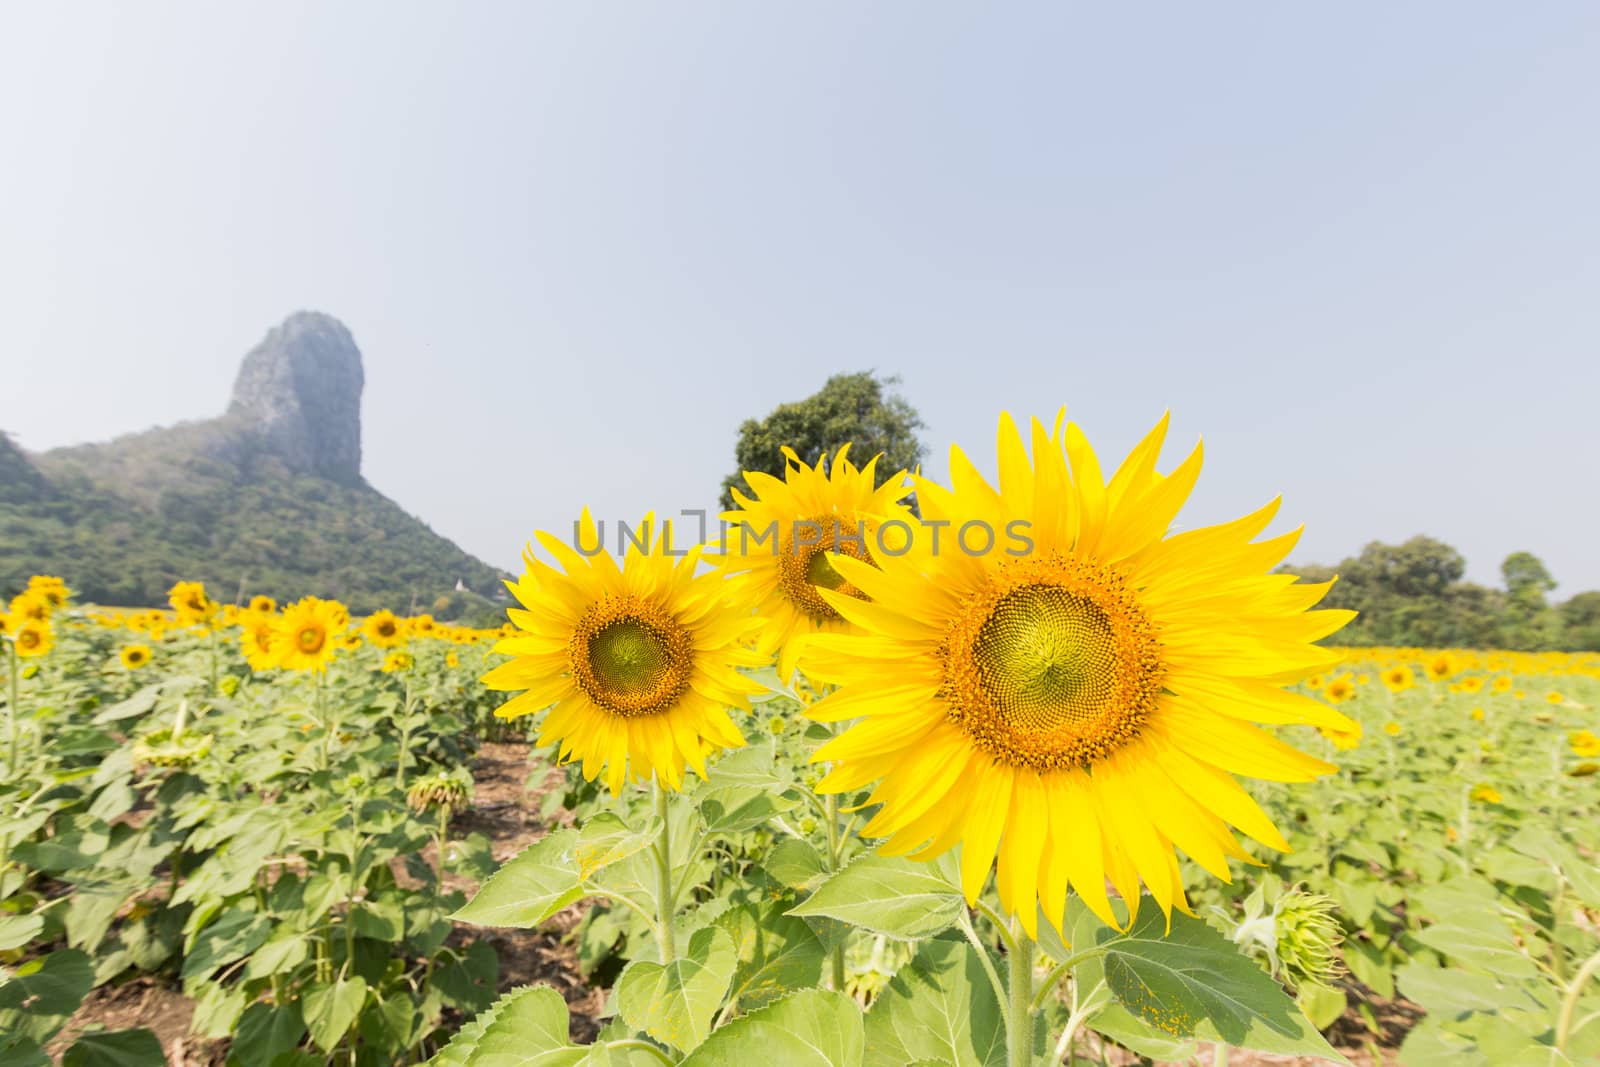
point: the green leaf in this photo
(890, 895)
(42, 994)
(777, 953)
(330, 1010)
(1193, 982)
(529, 888)
(18, 930)
(116, 1048)
(1127, 1029)
(230, 938)
(266, 1031)
(676, 1003)
(1480, 941)
(19, 1051)
(528, 1028)
(815, 1028)
(939, 1008)
(754, 765)
(731, 809)
(605, 839)
(1323, 1005)
(794, 863)
(469, 983)
(1450, 992)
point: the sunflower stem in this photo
(664, 894)
(832, 821)
(11, 716)
(971, 932)
(1569, 1003)
(1019, 1018)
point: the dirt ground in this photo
(506, 810)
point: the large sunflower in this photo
(257, 632)
(1079, 708)
(636, 663)
(780, 539)
(306, 635)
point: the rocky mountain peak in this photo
(301, 389)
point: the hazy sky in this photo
(1357, 247)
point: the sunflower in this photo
(189, 600)
(255, 641)
(306, 635)
(780, 539)
(396, 661)
(1584, 743)
(263, 605)
(1440, 667)
(384, 629)
(1399, 679)
(29, 605)
(53, 590)
(1339, 690)
(31, 637)
(1486, 794)
(1472, 684)
(134, 656)
(1502, 684)
(637, 662)
(1078, 709)
(1343, 740)
(421, 625)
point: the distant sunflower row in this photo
(304, 636)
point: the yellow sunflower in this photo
(255, 641)
(134, 656)
(779, 541)
(396, 661)
(636, 663)
(420, 625)
(31, 637)
(384, 629)
(306, 635)
(1339, 690)
(1440, 667)
(189, 600)
(51, 588)
(1399, 679)
(29, 605)
(263, 605)
(1077, 709)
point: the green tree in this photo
(1528, 622)
(1580, 623)
(855, 409)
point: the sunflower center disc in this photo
(803, 568)
(1047, 658)
(630, 657)
(310, 640)
(1054, 665)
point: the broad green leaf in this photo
(468, 983)
(732, 809)
(1450, 992)
(890, 895)
(794, 863)
(19, 1051)
(529, 1029)
(1480, 941)
(605, 839)
(939, 1008)
(42, 994)
(754, 765)
(530, 887)
(330, 1010)
(230, 938)
(676, 1003)
(266, 1031)
(777, 954)
(815, 1028)
(1323, 1005)
(1193, 982)
(1125, 1028)
(115, 1048)
(18, 930)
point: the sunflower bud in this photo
(160, 749)
(1308, 937)
(438, 790)
(229, 685)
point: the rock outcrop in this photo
(301, 387)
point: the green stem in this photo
(965, 919)
(1060, 970)
(327, 727)
(11, 715)
(663, 851)
(1569, 1003)
(212, 627)
(642, 1046)
(1019, 1017)
(405, 738)
(1219, 1055)
(444, 840)
(831, 804)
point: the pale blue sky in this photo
(1356, 246)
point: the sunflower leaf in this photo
(530, 887)
(1193, 982)
(815, 1028)
(889, 895)
(941, 1009)
(676, 1003)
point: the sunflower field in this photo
(1028, 774)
